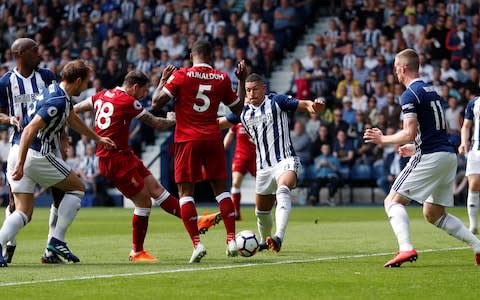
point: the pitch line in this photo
(195, 269)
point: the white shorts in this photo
(473, 163)
(266, 179)
(46, 170)
(428, 178)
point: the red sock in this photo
(228, 215)
(188, 212)
(171, 206)
(139, 231)
(236, 203)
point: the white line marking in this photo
(184, 270)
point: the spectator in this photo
(308, 59)
(370, 60)
(325, 171)
(391, 112)
(371, 33)
(360, 72)
(463, 73)
(301, 143)
(459, 43)
(447, 71)
(338, 123)
(344, 151)
(348, 83)
(359, 100)
(348, 113)
(425, 70)
(453, 116)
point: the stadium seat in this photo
(362, 175)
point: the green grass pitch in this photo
(328, 253)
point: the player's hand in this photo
(167, 72)
(463, 148)
(241, 70)
(373, 135)
(318, 105)
(15, 121)
(406, 150)
(17, 173)
(107, 143)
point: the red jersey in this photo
(244, 147)
(114, 111)
(198, 91)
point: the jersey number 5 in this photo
(103, 112)
(201, 96)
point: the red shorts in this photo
(242, 165)
(126, 171)
(191, 157)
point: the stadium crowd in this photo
(350, 64)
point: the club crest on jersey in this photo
(137, 105)
(52, 111)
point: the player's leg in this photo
(473, 201)
(16, 220)
(171, 204)
(188, 169)
(11, 245)
(143, 207)
(67, 211)
(57, 195)
(237, 178)
(395, 207)
(285, 183)
(263, 212)
(227, 211)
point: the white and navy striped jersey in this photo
(16, 91)
(268, 126)
(422, 102)
(53, 105)
(472, 113)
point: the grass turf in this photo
(328, 253)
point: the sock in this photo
(236, 196)
(188, 211)
(12, 241)
(473, 200)
(67, 210)
(398, 217)
(284, 207)
(169, 203)
(12, 225)
(454, 227)
(139, 227)
(52, 223)
(228, 214)
(264, 224)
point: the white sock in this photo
(12, 241)
(67, 210)
(162, 197)
(473, 200)
(454, 227)
(264, 224)
(16, 221)
(398, 217)
(282, 212)
(52, 223)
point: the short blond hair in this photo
(409, 58)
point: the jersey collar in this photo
(203, 65)
(20, 75)
(62, 86)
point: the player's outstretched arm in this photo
(156, 122)
(83, 106)
(28, 135)
(314, 107)
(160, 98)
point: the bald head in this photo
(21, 45)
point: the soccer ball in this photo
(247, 243)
